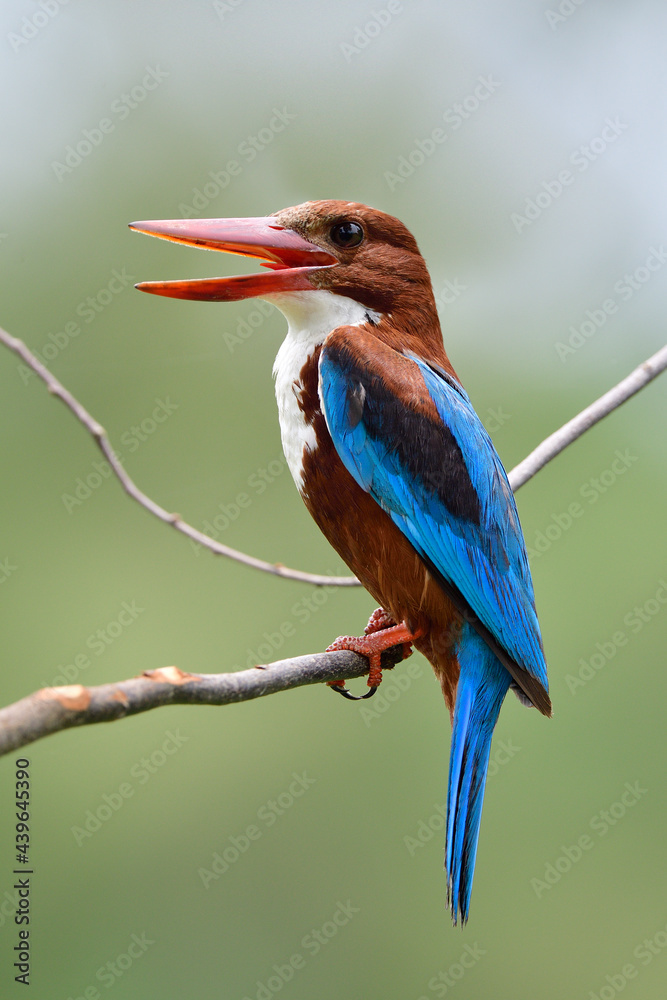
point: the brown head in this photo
(345, 248)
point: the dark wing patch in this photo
(423, 444)
(418, 448)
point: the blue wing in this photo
(408, 434)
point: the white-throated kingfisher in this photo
(395, 467)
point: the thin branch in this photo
(573, 429)
(175, 520)
(54, 709)
(519, 475)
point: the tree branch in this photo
(519, 475)
(54, 709)
(573, 429)
(51, 710)
(99, 435)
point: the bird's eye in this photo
(347, 234)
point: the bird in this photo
(395, 467)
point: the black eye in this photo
(347, 234)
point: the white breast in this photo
(311, 317)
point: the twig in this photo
(175, 520)
(54, 709)
(519, 475)
(573, 429)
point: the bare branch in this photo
(573, 429)
(54, 709)
(175, 520)
(519, 475)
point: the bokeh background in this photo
(329, 101)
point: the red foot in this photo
(374, 644)
(378, 620)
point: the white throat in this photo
(311, 316)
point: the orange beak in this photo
(291, 258)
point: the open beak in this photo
(290, 257)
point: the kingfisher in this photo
(395, 467)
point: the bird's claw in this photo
(372, 645)
(339, 686)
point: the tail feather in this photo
(483, 684)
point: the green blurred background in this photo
(359, 86)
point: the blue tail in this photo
(483, 684)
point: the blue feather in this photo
(482, 687)
(486, 561)
(445, 488)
